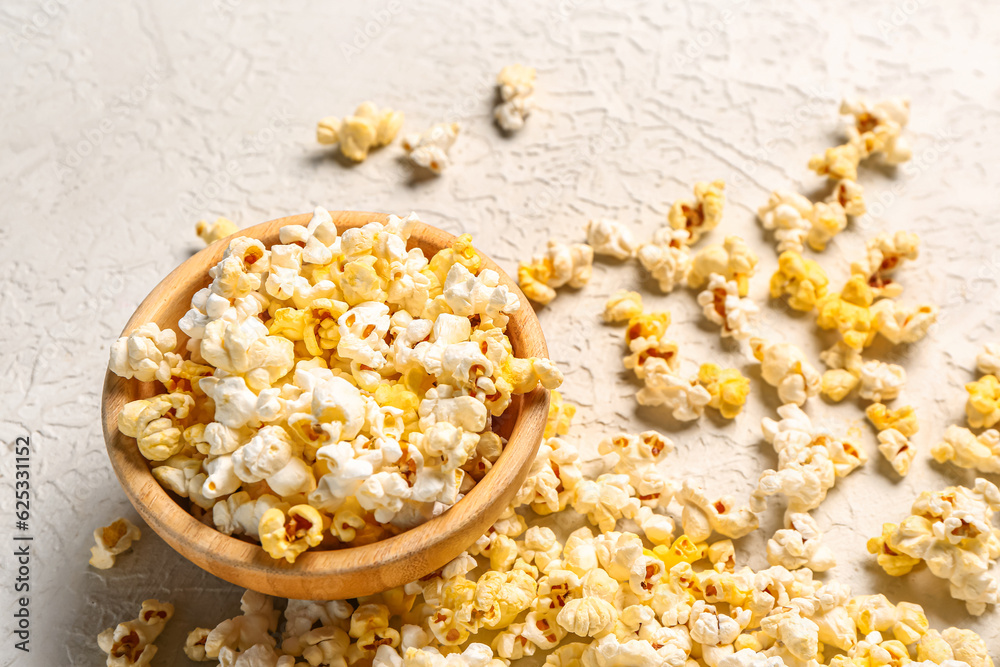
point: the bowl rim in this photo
(330, 574)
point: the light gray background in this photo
(124, 123)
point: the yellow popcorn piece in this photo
(911, 623)
(903, 419)
(369, 127)
(828, 220)
(647, 325)
(838, 163)
(802, 280)
(849, 313)
(561, 264)
(560, 415)
(210, 232)
(516, 84)
(733, 260)
(701, 215)
(965, 449)
(111, 541)
(683, 550)
(728, 387)
(982, 410)
(623, 306)
(288, 537)
(894, 563)
(837, 383)
(157, 424)
(461, 251)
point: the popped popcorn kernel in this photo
(850, 196)
(897, 450)
(701, 215)
(611, 239)
(429, 149)
(622, 306)
(877, 128)
(849, 312)
(727, 387)
(837, 383)
(902, 419)
(210, 232)
(733, 260)
(880, 381)
(802, 280)
(837, 163)
(369, 127)
(965, 449)
(982, 409)
(885, 254)
(287, 537)
(143, 354)
(560, 265)
(828, 220)
(988, 361)
(785, 367)
(667, 257)
(516, 84)
(130, 644)
(789, 215)
(722, 304)
(560, 415)
(895, 563)
(112, 540)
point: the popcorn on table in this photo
(429, 149)
(965, 449)
(727, 387)
(516, 84)
(354, 377)
(884, 254)
(130, 644)
(785, 367)
(111, 541)
(733, 260)
(622, 306)
(800, 279)
(789, 215)
(895, 427)
(988, 361)
(369, 127)
(952, 532)
(210, 232)
(561, 264)
(611, 238)
(667, 257)
(701, 215)
(982, 409)
(722, 304)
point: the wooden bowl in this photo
(344, 573)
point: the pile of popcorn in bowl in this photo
(338, 389)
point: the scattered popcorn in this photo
(560, 265)
(430, 148)
(684, 398)
(838, 163)
(849, 312)
(789, 215)
(901, 324)
(352, 377)
(112, 540)
(897, 450)
(885, 253)
(622, 307)
(983, 406)
(667, 257)
(828, 220)
(210, 232)
(988, 361)
(952, 531)
(722, 304)
(850, 196)
(879, 381)
(702, 516)
(878, 128)
(894, 429)
(965, 449)
(130, 644)
(733, 260)
(701, 215)
(844, 374)
(799, 544)
(902, 419)
(517, 87)
(727, 387)
(369, 127)
(785, 367)
(802, 280)
(194, 645)
(610, 238)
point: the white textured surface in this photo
(123, 123)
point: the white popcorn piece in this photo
(611, 239)
(897, 450)
(561, 264)
(878, 128)
(800, 544)
(733, 260)
(111, 541)
(722, 304)
(988, 361)
(667, 257)
(884, 255)
(516, 84)
(901, 324)
(965, 449)
(785, 367)
(683, 397)
(194, 645)
(703, 516)
(789, 215)
(141, 354)
(880, 381)
(622, 306)
(429, 149)
(369, 127)
(251, 628)
(130, 644)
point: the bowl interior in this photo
(334, 574)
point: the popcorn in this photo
(721, 303)
(850, 196)
(982, 410)
(287, 538)
(210, 232)
(902, 419)
(880, 381)
(988, 361)
(799, 544)
(838, 163)
(789, 215)
(701, 215)
(849, 313)
(828, 220)
(622, 307)
(610, 238)
(885, 253)
(901, 324)
(130, 644)
(877, 128)
(112, 540)
(785, 367)
(965, 449)
(517, 87)
(560, 415)
(194, 645)
(429, 149)
(802, 280)
(733, 260)
(369, 127)
(142, 354)
(952, 531)
(727, 387)
(685, 398)
(560, 265)
(702, 516)
(897, 450)
(251, 628)
(667, 257)
(157, 424)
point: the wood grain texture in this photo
(323, 575)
